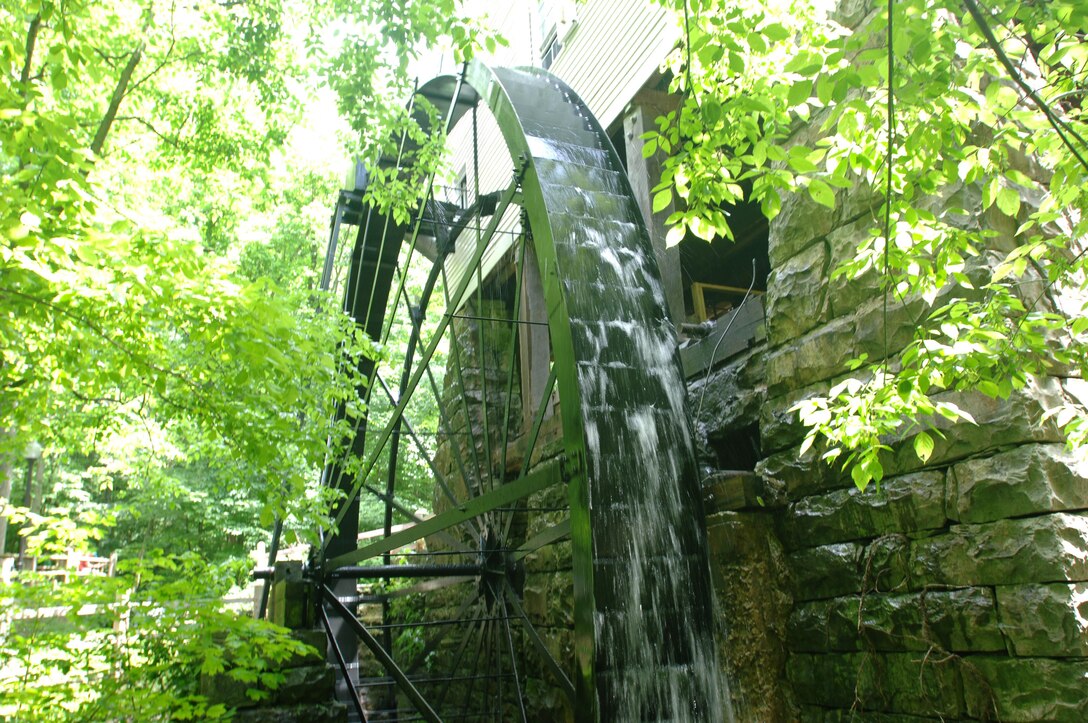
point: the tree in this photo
(912, 101)
(161, 357)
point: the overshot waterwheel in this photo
(536, 384)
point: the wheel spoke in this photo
(450, 539)
(428, 193)
(546, 537)
(443, 322)
(541, 647)
(358, 704)
(438, 476)
(535, 481)
(530, 446)
(457, 355)
(383, 657)
(441, 635)
(511, 361)
(481, 361)
(476, 627)
(510, 646)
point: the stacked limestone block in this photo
(956, 589)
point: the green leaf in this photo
(800, 92)
(662, 199)
(1008, 202)
(860, 476)
(674, 236)
(923, 446)
(800, 159)
(821, 193)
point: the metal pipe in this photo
(342, 663)
(383, 657)
(384, 572)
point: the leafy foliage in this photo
(131, 647)
(161, 332)
(981, 188)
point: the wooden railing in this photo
(64, 567)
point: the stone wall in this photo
(957, 590)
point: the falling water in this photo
(655, 652)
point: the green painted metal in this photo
(425, 359)
(563, 158)
(539, 479)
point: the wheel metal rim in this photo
(552, 164)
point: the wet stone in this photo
(1027, 480)
(999, 424)
(814, 357)
(1049, 620)
(826, 571)
(901, 322)
(796, 295)
(850, 567)
(779, 426)
(902, 504)
(962, 620)
(846, 295)
(801, 477)
(732, 397)
(815, 714)
(1028, 689)
(737, 490)
(1037, 549)
(905, 683)
(800, 222)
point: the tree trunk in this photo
(5, 492)
(31, 40)
(119, 91)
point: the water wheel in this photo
(537, 386)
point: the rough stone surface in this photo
(909, 683)
(952, 620)
(750, 581)
(779, 426)
(818, 355)
(799, 223)
(900, 321)
(1028, 689)
(1045, 619)
(739, 490)
(1037, 549)
(813, 714)
(846, 295)
(797, 295)
(999, 424)
(731, 398)
(827, 571)
(1026, 480)
(801, 477)
(844, 568)
(902, 504)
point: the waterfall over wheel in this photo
(530, 379)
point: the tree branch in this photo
(31, 40)
(115, 101)
(1059, 126)
(147, 124)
